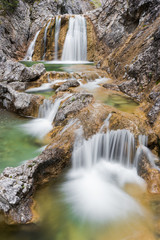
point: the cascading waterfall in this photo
(42, 125)
(57, 31)
(30, 51)
(101, 167)
(143, 150)
(75, 46)
(45, 39)
(114, 146)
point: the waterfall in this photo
(42, 125)
(57, 30)
(101, 167)
(143, 150)
(75, 46)
(48, 109)
(45, 39)
(113, 146)
(30, 50)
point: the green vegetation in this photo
(96, 3)
(8, 5)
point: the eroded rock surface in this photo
(68, 84)
(16, 72)
(73, 104)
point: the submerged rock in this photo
(13, 71)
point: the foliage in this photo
(95, 3)
(8, 5)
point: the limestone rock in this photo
(68, 84)
(155, 109)
(14, 31)
(72, 105)
(19, 102)
(128, 33)
(150, 174)
(16, 72)
(111, 86)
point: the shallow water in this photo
(58, 222)
(57, 66)
(15, 145)
(117, 100)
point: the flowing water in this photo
(45, 39)
(31, 48)
(42, 125)
(57, 30)
(100, 197)
(75, 45)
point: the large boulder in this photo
(73, 105)
(19, 102)
(14, 71)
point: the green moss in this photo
(73, 99)
(158, 81)
(95, 3)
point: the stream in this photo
(100, 196)
(79, 211)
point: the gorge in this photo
(80, 93)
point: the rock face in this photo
(155, 109)
(130, 31)
(128, 47)
(14, 31)
(16, 72)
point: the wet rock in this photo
(13, 71)
(72, 105)
(17, 184)
(150, 174)
(154, 97)
(131, 88)
(68, 84)
(111, 86)
(19, 102)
